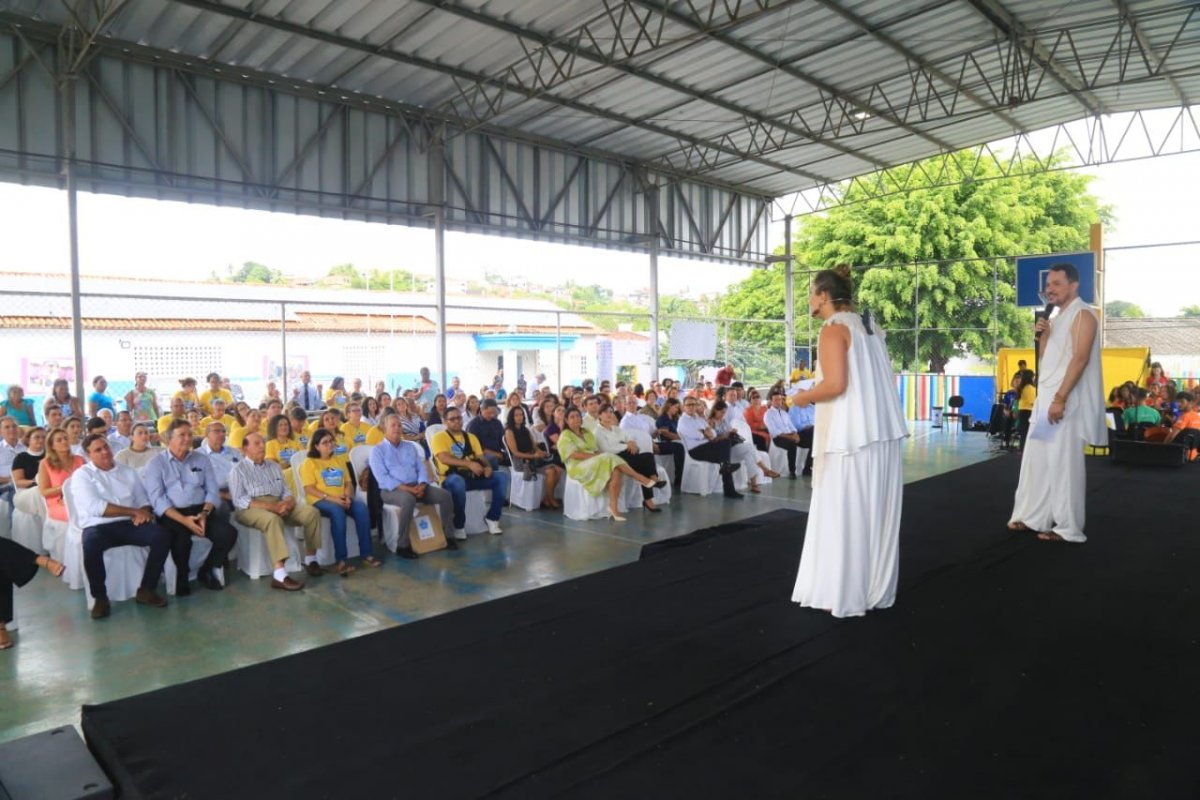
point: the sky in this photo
(1155, 202)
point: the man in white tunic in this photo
(1068, 414)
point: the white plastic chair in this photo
(201, 547)
(26, 524)
(53, 531)
(253, 557)
(779, 459)
(700, 477)
(522, 493)
(631, 492)
(579, 505)
(325, 553)
(123, 566)
(391, 514)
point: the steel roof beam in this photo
(476, 90)
(914, 58)
(1022, 40)
(835, 100)
(1154, 62)
(573, 46)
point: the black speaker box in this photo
(52, 765)
(1148, 454)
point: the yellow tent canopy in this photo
(1120, 364)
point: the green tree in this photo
(1190, 311)
(1123, 309)
(963, 228)
(253, 272)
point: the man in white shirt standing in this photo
(114, 510)
(783, 432)
(118, 440)
(698, 438)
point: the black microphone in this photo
(1044, 315)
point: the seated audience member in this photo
(223, 458)
(740, 451)
(95, 425)
(1187, 423)
(60, 396)
(329, 487)
(215, 389)
(702, 444)
(98, 400)
(1141, 412)
(281, 444)
(544, 413)
(219, 414)
(121, 438)
(735, 400)
(272, 393)
(455, 388)
(412, 425)
(667, 425)
(253, 424)
(74, 428)
(25, 464)
(591, 412)
(610, 438)
(784, 433)
(370, 411)
(18, 565)
(273, 409)
(804, 420)
(464, 468)
(16, 406)
(400, 473)
(262, 501)
(632, 420)
(183, 491)
(440, 404)
(594, 470)
(58, 465)
(10, 447)
(470, 410)
(489, 430)
(755, 416)
(299, 425)
(336, 395)
(354, 430)
(139, 452)
(515, 400)
(178, 411)
(187, 394)
(1157, 376)
(529, 457)
(558, 421)
(114, 510)
(54, 417)
(651, 406)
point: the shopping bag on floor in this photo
(425, 533)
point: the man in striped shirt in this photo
(263, 501)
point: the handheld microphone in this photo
(1044, 315)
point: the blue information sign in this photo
(1032, 271)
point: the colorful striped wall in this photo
(921, 391)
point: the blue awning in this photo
(521, 341)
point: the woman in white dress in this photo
(851, 545)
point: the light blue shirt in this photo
(803, 417)
(178, 483)
(396, 464)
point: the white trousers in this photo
(1050, 493)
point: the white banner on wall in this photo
(693, 341)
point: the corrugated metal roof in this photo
(706, 72)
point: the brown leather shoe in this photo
(148, 597)
(287, 584)
(314, 569)
(101, 609)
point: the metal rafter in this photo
(476, 91)
(1027, 50)
(550, 70)
(841, 109)
(1092, 141)
(1152, 60)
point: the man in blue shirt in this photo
(184, 493)
(400, 473)
(488, 429)
(804, 419)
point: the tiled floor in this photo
(63, 660)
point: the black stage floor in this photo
(1008, 668)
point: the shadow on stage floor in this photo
(1009, 667)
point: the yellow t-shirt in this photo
(1027, 399)
(312, 426)
(336, 398)
(164, 422)
(374, 436)
(329, 475)
(282, 454)
(237, 434)
(190, 400)
(443, 442)
(225, 420)
(206, 398)
(353, 435)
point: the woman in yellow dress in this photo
(593, 469)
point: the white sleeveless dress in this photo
(850, 561)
